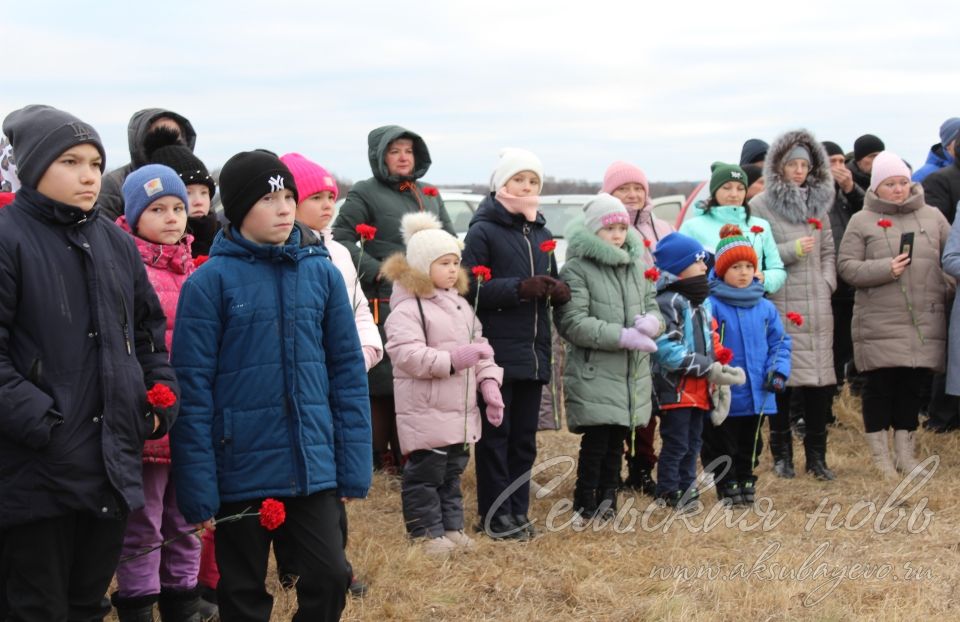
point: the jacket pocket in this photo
(589, 368)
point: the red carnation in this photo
(430, 191)
(652, 274)
(815, 223)
(366, 232)
(199, 260)
(482, 273)
(548, 246)
(756, 229)
(724, 355)
(647, 243)
(795, 317)
(884, 223)
(160, 396)
(272, 514)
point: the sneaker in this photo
(461, 539)
(358, 589)
(438, 547)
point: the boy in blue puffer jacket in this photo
(275, 397)
(750, 327)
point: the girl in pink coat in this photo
(155, 214)
(440, 361)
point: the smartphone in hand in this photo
(906, 244)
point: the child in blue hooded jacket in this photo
(749, 325)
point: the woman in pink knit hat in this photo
(629, 184)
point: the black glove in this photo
(777, 383)
(560, 294)
(535, 287)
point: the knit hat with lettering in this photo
(147, 184)
(311, 178)
(721, 173)
(39, 134)
(249, 175)
(733, 247)
(604, 210)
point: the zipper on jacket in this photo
(125, 325)
(536, 304)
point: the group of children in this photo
(272, 338)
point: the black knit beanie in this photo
(249, 175)
(164, 146)
(865, 145)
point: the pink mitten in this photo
(647, 324)
(633, 339)
(494, 401)
(469, 355)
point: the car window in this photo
(460, 213)
(559, 215)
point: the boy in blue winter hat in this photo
(274, 396)
(684, 366)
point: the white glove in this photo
(721, 397)
(725, 374)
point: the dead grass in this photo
(606, 575)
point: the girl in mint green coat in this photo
(728, 191)
(609, 324)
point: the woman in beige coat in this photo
(899, 313)
(798, 193)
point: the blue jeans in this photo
(681, 431)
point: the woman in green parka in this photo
(398, 159)
(610, 324)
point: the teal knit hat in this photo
(721, 173)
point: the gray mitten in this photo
(721, 396)
(725, 374)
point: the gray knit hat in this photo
(39, 134)
(604, 210)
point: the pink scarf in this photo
(519, 205)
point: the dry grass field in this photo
(861, 557)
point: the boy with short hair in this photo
(81, 339)
(274, 395)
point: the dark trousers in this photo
(681, 431)
(892, 397)
(506, 454)
(842, 336)
(383, 421)
(431, 495)
(59, 569)
(734, 439)
(314, 528)
(644, 452)
(601, 456)
(817, 404)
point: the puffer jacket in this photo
(434, 407)
(750, 326)
(811, 278)
(518, 330)
(110, 200)
(937, 159)
(81, 333)
(705, 228)
(884, 334)
(603, 383)
(685, 350)
(382, 201)
(369, 334)
(168, 266)
(942, 190)
(274, 390)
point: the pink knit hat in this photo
(887, 164)
(309, 176)
(620, 173)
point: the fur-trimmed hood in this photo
(409, 282)
(796, 204)
(583, 243)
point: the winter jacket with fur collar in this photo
(883, 331)
(435, 407)
(603, 383)
(811, 277)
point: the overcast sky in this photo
(670, 85)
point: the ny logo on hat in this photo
(276, 183)
(81, 131)
(735, 174)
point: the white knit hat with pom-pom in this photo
(426, 240)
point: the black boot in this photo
(729, 494)
(639, 476)
(607, 503)
(815, 448)
(180, 605)
(584, 502)
(748, 490)
(136, 609)
(781, 446)
(502, 527)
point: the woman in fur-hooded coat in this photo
(798, 194)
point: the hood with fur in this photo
(408, 281)
(796, 204)
(583, 243)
